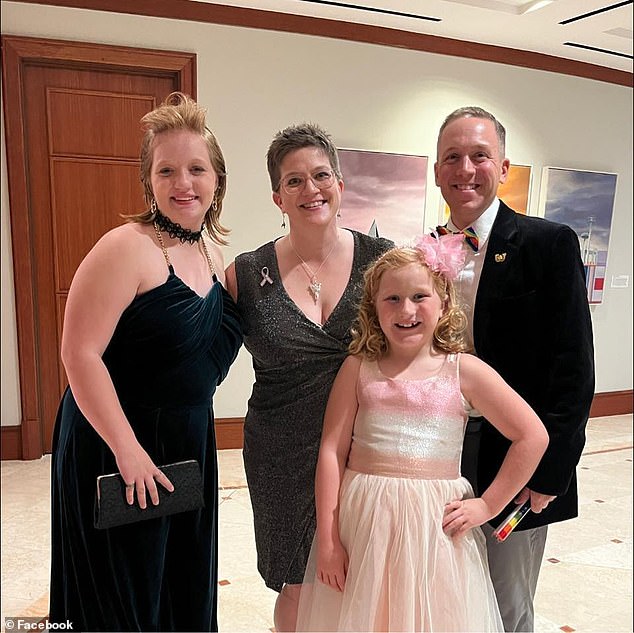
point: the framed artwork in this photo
(584, 200)
(515, 191)
(384, 194)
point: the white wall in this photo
(369, 97)
(10, 398)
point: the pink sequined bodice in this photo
(409, 428)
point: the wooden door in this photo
(72, 114)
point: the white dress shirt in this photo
(469, 277)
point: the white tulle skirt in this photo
(405, 573)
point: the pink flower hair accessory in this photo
(443, 253)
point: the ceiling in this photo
(596, 32)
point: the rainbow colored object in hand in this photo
(511, 521)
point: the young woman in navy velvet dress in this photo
(149, 332)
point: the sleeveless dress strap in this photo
(162, 245)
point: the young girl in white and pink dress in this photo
(398, 547)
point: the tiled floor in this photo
(585, 583)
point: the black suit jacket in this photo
(532, 324)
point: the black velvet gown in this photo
(170, 350)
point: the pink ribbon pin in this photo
(265, 276)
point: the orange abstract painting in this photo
(515, 190)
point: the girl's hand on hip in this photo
(461, 515)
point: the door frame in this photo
(25, 440)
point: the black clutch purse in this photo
(112, 509)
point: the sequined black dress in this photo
(168, 353)
(295, 362)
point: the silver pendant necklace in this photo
(314, 286)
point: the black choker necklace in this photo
(173, 229)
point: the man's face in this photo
(469, 167)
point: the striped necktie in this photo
(470, 236)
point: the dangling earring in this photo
(214, 205)
(283, 225)
(339, 213)
(153, 207)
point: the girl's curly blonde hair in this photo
(368, 338)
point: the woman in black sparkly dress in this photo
(297, 296)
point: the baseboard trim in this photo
(229, 434)
(230, 431)
(11, 442)
(611, 403)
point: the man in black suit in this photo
(523, 287)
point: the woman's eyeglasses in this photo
(321, 179)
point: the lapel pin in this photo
(266, 279)
(500, 257)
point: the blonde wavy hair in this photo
(368, 338)
(181, 112)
